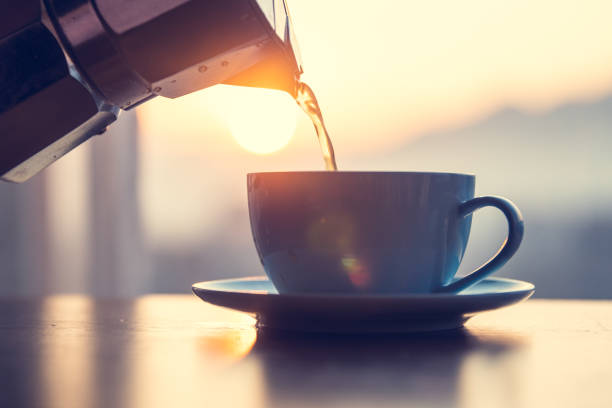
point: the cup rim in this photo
(367, 172)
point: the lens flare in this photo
(357, 271)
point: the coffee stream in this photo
(308, 102)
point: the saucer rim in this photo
(523, 287)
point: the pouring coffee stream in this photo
(307, 100)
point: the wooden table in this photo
(176, 351)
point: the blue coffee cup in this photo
(370, 232)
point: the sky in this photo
(385, 73)
(409, 67)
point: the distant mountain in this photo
(566, 122)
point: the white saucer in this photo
(361, 313)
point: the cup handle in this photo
(508, 248)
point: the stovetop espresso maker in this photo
(67, 67)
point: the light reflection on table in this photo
(178, 351)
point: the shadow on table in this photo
(442, 369)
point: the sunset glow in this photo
(397, 70)
(261, 121)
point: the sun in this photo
(261, 121)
